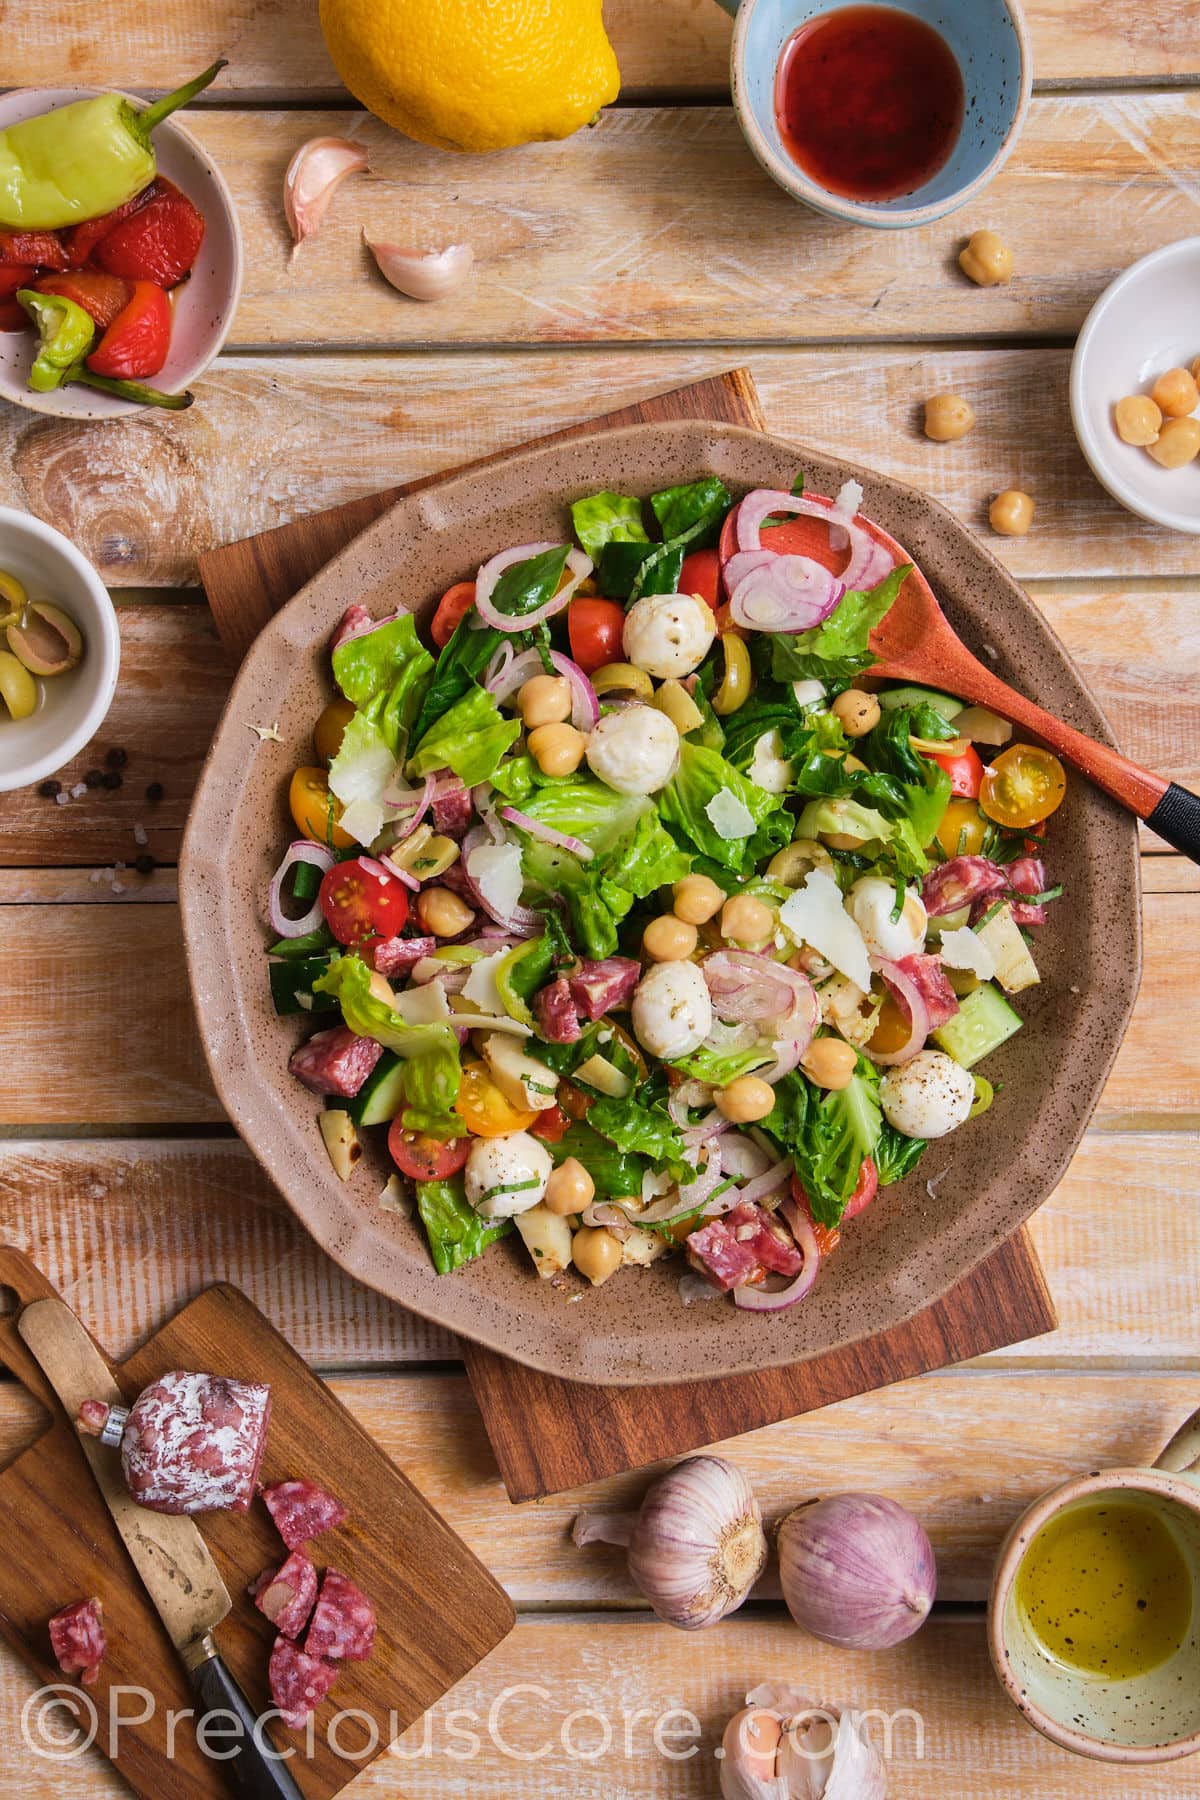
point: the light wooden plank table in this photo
(632, 258)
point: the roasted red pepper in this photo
(101, 296)
(81, 240)
(32, 250)
(137, 341)
(158, 243)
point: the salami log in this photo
(302, 1511)
(298, 1682)
(189, 1443)
(286, 1595)
(343, 1625)
(77, 1639)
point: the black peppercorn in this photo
(116, 758)
(94, 778)
(111, 778)
(144, 864)
(155, 792)
(48, 789)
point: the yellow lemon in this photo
(474, 74)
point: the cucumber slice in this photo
(892, 698)
(982, 1023)
(381, 1095)
(292, 986)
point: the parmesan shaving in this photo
(496, 871)
(815, 915)
(728, 816)
(480, 986)
(961, 949)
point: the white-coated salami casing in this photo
(192, 1443)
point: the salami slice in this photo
(190, 1443)
(298, 1682)
(343, 1625)
(302, 1511)
(77, 1639)
(335, 1062)
(354, 620)
(287, 1595)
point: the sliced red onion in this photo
(788, 1052)
(765, 1184)
(614, 1218)
(870, 561)
(411, 804)
(744, 984)
(547, 834)
(524, 922)
(303, 850)
(501, 661)
(485, 586)
(910, 994)
(789, 593)
(402, 875)
(764, 1299)
(585, 707)
(742, 1158)
(743, 563)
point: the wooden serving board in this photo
(549, 1434)
(439, 1611)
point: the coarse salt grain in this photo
(139, 835)
(117, 887)
(61, 798)
(79, 790)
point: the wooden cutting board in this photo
(439, 1611)
(549, 1434)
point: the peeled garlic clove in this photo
(313, 177)
(423, 275)
(45, 639)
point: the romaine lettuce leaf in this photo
(470, 738)
(692, 513)
(368, 667)
(584, 808)
(455, 1231)
(896, 1155)
(643, 1131)
(837, 650)
(600, 893)
(827, 1136)
(460, 665)
(614, 1172)
(608, 518)
(348, 979)
(701, 776)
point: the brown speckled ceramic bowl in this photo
(921, 1236)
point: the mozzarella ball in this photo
(668, 635)
(928, 1096)
(672, 1011)
(871, 903)
(497, 1165)
(634, 750)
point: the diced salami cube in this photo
(77, 1639)
(554, 1010)
(302, 1511)
(452, 807)
(396, 956)
(287, 1595)
(756, 1231)
(343, 1625)
(298, 1682)
(601, 987)
(336, 1061)
(1027, 876)
(716, 1253)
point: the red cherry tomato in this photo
(701, 574)
(359, 903)
(595, 628)
(454, 603)
(550, 1125)
(965, 771)
(828, 1236)
(865, 1190)
(424, 1158)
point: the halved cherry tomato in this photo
(315, 809)
(454, 603)
(828, 1236)
(572, 1100)
(1022, 787)
(595, 628)
(865, 1190)
(961, 830)
(330, 729)
(360, 902)
(550, 1125)
(701, 574)
(893, 1027)
(482, 1107)
(424, 1158)
(965, 771)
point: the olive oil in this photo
(1106, 1590)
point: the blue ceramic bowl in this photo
(988, 37)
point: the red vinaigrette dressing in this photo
(869, 101)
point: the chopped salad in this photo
(640, 916)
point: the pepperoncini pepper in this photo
(66, 334)
(83, 160)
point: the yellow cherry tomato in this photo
(482, 1107)
(331, 728)
(893, 1028)
(315, 809)
(1022, 787)
(961, 830)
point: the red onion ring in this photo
(788, 1052)
(743, 563)
(585, 707)
(762, 1299)
(547, 834)
(765, 1184)
(789, 593)
(745, 984)
(869, 561)
(500, 662)
(402, 875)
(302, 850)
(906, 991)
(418, 798)
(485, 586)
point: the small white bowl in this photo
(204, 305)
(72, 706)
(1148, 320)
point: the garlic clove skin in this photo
(786, 1747)
(423, 275)
(314, 175)
(749, 1750)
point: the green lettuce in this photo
(643, 1131)
(526, 586)
(693, 513)
(828, 1136)
(840, 648)
(367, 668)
(431, 1051)
(700, 777)
(608, 518)
(614, 1172)
(455, 1231)
(460, 666)
(585, 808)
(896, 1155)
(470, 738)
(600, 893)
(720, 1067)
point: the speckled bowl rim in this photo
(792, 179)
(1163, 1485)
(531, 1324)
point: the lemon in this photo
(474, 74)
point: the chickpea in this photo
(746, 1099)
(544, 700)
(947, 417)
(697, 899)
(791, 864)
(1175, 393)
(596, 1253)
(1196, 371)
(986, 260)
(1178, 443)
(557, 749)
(1137, 419)
(570, 1188)
(442, 913)
(1011, 513)
(746, 920)
(856, 712)
(830, 1062)
(669, 939)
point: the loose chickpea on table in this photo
(1011, 513)
(948, 417)
(986, 259)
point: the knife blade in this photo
(166, 1549)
